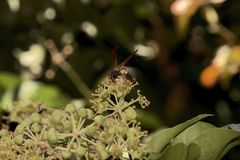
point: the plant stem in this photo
(59, 59)
(75, 78)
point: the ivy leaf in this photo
(194, 152)
(211, 143)
(8, 80)
(163, 137)
(228, 148)
(50, 95)
(192, 132)
(181, 151)
(178, 151)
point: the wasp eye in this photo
(130, 76)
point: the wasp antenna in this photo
(127, 59)
(114, 57)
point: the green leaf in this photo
(194, 152)
(163, 137)
(178, 151)
(228, 148)
(213, 142)
(35, 91)
(7, 98)
(50, 95)
(181, 151)
(192, 132)
(8, 83)
(216, 141)
(8, 80)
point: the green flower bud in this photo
(133, 132)
(109, 122)
(36, 128)
(47, 121)
(90, 130)
(74, 145)
(82, 112)
(90, 113)
(52, 136)
(119, 94)
(19, 139)
(99, 119)
(133, 142)
(80, 151)
(3, 132)
(67, 125)
(106, 137)
(116, 150)
(112, 130)
(45, 135)
(137, 154)
(28, 142)
(120, 129)
(102, 150)
(26, 122)
(130, 113)
(102, 107)
(70, 108)
(35, 117)
(19, 129)
(56, 117)
(66, 154)
(104, 95)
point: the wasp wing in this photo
(127, 59)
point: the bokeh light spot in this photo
(14, 5)
(50, 13)
(145, 51)
(89, 28)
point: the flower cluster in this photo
(108, 129)
(19, 110)
(119, 132)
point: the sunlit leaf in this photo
(8, 79)
(7, 98)
(51, 96)
(192, 132)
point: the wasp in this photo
(121, 69)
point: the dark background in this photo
(176, 74)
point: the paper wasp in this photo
(121, 69)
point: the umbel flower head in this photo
(107, 129)
(119, 131)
